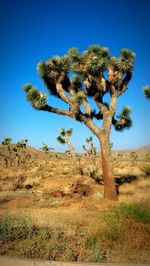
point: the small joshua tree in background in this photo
(91, 152)
(91, 149)
(146, 167)
(118, 158)
(20, 153)
(147, 91)
(47, 150)
(8, 158)
(134, 157)
(64, 138)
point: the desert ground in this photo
(65, 195)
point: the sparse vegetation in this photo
(33, 241)
(59, 192)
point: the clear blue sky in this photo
(31, 31)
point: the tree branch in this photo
(125, 82)
(57, 111)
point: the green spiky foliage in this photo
(36, 98)
(22, 144)
(46, 148)
(61, 140)
(6, 141)
(89, 80)
(76, 83)
(147, 92)
(63, 132)
(62, 137)
(124, 119)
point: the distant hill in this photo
(141, 152)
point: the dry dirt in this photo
(61, 192)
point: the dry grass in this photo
(65, 197)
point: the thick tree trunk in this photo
(110, 191)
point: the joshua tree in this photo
(47, 150)
(147, 92)
(20, 151)
(91, 150)
(97, 73)
(134, 157)
(7, 143)
(64, 138)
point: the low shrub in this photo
(135, 210)
(12, 228)
(146, 169)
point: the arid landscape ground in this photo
(62, 199)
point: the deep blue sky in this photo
(31, 31)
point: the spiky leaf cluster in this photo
(92, 62)
(61, 140)
(53, 68)
(125, 62)
(88, 140)
(6, 141)
(147, 91)
(36, 98)
(22, 144)
(124, 119)
(80, 97)
(42, 69)
(63, 132)
(76, 83)
(46, 149)
(74, 53)
(69, 131)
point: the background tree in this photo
(47, 150)
(20, 151)
(96, 74)
(64, 138)
(133, 157)
(147, 92)
(91, 150)
(8, 158)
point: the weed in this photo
(12, 228)
(95, 248)
(70, 255)
(135, 210)
(146, 169)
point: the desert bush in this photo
(94, 247)
(146, 169)
(12, 228)
(133, 157)
(135, 210)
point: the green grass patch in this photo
(13, 228)
(135, 210)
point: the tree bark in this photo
(71, 149)
(110, 191)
